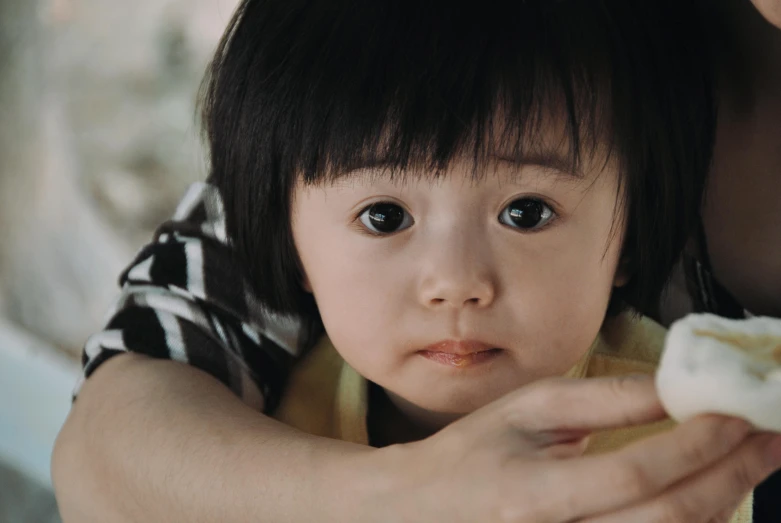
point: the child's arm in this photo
(158, 441)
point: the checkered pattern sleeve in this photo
(185, 298)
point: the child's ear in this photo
(303, 278)
(623, 273)
(305, 283)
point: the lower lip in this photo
(461, 361)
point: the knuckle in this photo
(620, 386)
(633, 478)
(694, 452)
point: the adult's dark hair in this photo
(315, 88)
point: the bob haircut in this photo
(314, 89)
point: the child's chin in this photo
(453, 404)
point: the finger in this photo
(590, 404)
(706, 496)
(641, 471)
(725, 516)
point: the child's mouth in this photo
(461, 360)
(459, 354)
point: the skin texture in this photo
(458, 272)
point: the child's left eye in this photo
(528, 214)
(385, 218)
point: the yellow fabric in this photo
(327, 397)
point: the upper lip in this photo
(459, 347)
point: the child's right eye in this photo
(527, 214)
(385, 218)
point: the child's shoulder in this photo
(628, 343)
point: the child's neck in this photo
(393, 420)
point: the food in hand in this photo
(718, 365)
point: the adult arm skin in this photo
(152, 440)
(157, 440)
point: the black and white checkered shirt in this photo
(184, 298)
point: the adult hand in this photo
(520, 459)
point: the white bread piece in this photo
(717, 365)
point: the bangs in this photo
(406, 86)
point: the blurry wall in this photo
(98, 139)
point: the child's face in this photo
(522, 261)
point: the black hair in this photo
(315, 88)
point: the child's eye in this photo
(385, 218)
(527, 214)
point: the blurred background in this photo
(99, 138)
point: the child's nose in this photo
(478, 294)
(458, 281)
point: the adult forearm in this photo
(155, 440)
